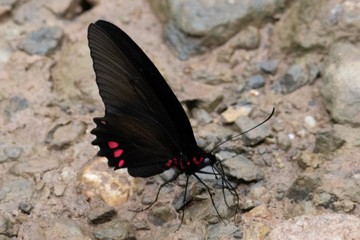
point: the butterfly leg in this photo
(174, 177)
(184, 202)
(212, 200)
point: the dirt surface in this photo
(52, 185)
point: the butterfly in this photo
(144, 129)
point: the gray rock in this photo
(161, 215)
(201, 115)
(340, 176)
(65, 8)
(43, 41)
(63, 135)
(6, 6)
(193, 190)
(327, 22)
(44, 228)
(242, 168)
(25, 207)
(296, 77)
(303, 186)
(115, 230)
(256, 135)
(13, 153)
(101, 214)
(269, 66)
(16, 104)
(5, 226)
(341, 85)
(248, 38)
(13, 191)
(256, 81)
(319, 227)
(32, 167)
(193, 26)
(327, 141)
(283, 141)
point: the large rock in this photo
(310, 25)
(193, 25)
(341, 86)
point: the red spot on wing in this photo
(118, 152)
(103, 122)
(169, 163)
(121, 163)
(198, 161)
(113, 144)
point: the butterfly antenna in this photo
(233, 137)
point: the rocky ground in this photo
(230, 63)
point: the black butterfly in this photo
(145, 129)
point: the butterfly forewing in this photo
(144, 124)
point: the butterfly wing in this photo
(144, 123)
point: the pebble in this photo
(318, 227)
(13, 153)
(256, 81)
(59, 189)
(116, 229)
(43, 41)
(25, 207)
(296, 77)
(327, 141)
(161, 215)
(310, 122)
(201, 115)
(256, 135)
(269, 66)
(232, 113)
(242, 168)
(101, 214)
(283, 141)
(63, 135)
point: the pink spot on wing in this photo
(103, 122)
(121, 163)
(113, 144)
(118, 152)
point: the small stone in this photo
(256, 230)
(42, 42)
(13, 153)
(242, 168)
(232, 113)
(201, 115)
(326, 141)
(296, 77)
(193, 191)
(312, 160)
(283, 141)
(318, 227)
(269, 66)
(257, 196)
(323, 199)
(247, 39)
(256, 135)
(25, 207)
(59, 189)
(116, 229)
(33, 166)
(344, 205)
(114, 188)
(303, 187)
(160, 215)
(16, 104)
(256, 81)
(63, 135)
(310, 122)
(101, 215)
